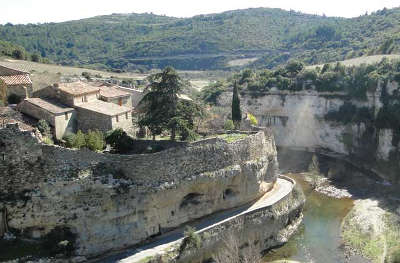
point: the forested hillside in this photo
(130, 41)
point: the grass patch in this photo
(146, 259)
(392, 234)
(367, 245)
(232, 137)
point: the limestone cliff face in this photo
(297, 120)
(113, 201)
(246, 235)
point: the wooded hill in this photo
(274, 36)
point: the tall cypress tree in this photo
(3, 93)
(236, 112)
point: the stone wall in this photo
(125, 101)
(37, 112)
(258, 230)
(136, 95)
(65, 124)
(91, 120)
(22, 91)
(124, 121)
(114, 201)
(79, 100)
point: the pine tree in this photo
(236, 112)
(160, 101)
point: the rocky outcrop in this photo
(298, 120)
(243, 236)
(100, 202)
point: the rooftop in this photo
(14, 77)
(17, 79)
(50, 106)
(7, 71)
(112, 92)
(105, 108)
(77, 88)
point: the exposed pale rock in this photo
(114, 201)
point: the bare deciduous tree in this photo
(232, 251)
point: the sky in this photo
(41, 11)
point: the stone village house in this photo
(16, 82)
(69, 107)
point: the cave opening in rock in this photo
(191, 199)
(228, 193)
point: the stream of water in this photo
(318, 239)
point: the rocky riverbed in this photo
(371, 230)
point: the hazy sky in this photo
(34, 11)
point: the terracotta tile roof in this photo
(112, 92)
(106, 108)
(77, 88)
(14, 77)
(17, 80)
(50, 106)
(7, 71)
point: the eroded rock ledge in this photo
(101, 202)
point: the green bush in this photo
(47, 140)
(95, 140)
(119, 140)
(87, 75)
(228, 125)
(44, 128)
(253, 119)
(14, 99)
(69, 140)
(191, 240)
(79, 140)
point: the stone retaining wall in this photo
(257, 230)
(113, 201)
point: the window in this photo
(83, 99)
(127, 115)
(66, 116)
(117, 119)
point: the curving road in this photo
(282, 188)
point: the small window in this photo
(117, 119)
(83, 99)
(127, 115)
(66, 116)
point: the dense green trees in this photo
(17, 52)
(162, 110)
(139, 41)
(353, 81)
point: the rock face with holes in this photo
(299, 120)
(107, 201)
